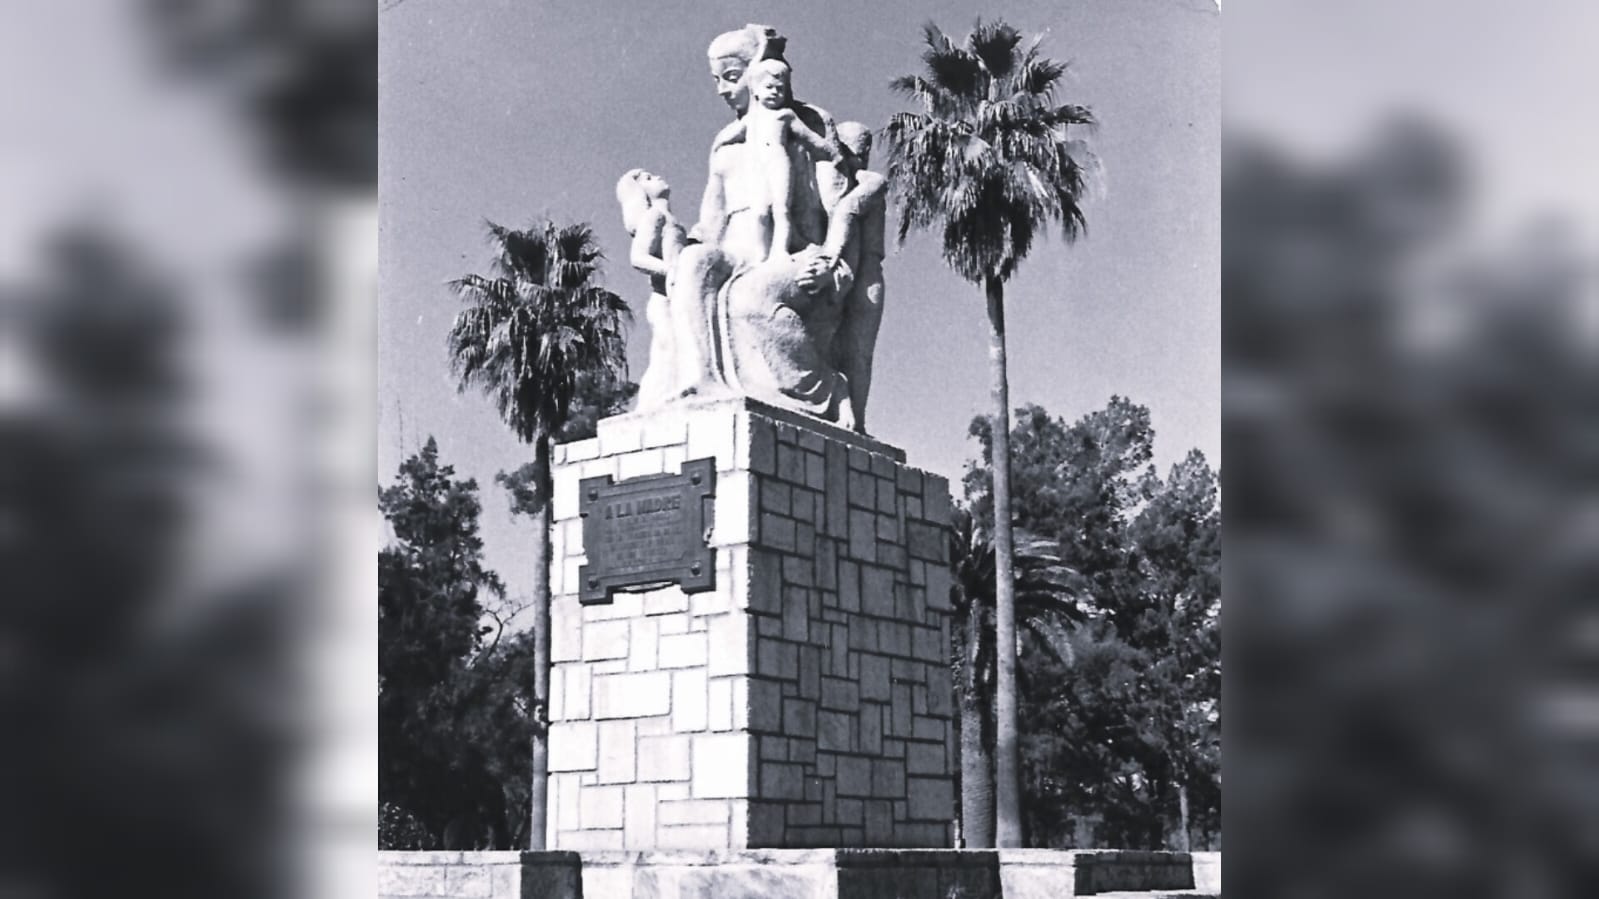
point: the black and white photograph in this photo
(700, 330)
(514, 449)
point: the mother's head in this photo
(732, 53)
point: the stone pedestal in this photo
(806, 700)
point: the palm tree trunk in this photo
(1183, 844)
(539, 787)
(977, 776)
(976, 731)
(1007, 780)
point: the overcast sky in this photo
(515, 109)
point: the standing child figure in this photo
(657, 238)
(855, 239)
(771, 128)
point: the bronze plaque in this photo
(644, 533)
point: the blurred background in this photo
(187, 285)
(1411, 319)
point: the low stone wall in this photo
(1207, 872)
(792, 874)
(1049, 873)
(935, 873)
(781, 874)
(478, 875)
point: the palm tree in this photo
(1049, 602)
(988, 162)
(530, 334)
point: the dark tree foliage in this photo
(1121, 730)
(453, 703)
(1049, 600)
(399, 829)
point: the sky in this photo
(512, 110)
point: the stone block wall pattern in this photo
(479, 875)
(806, 701)
(797, 874)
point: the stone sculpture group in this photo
(777, 292)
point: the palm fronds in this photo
(1051, 596)
(986, 160)
(538, 324)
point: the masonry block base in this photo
(806, 700)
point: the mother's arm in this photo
(731, 134)
(713, 205)
(819, 121)
(830, 185)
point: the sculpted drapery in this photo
(777, 292)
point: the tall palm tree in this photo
(1049, 602)
(987, 161)
(531, 333)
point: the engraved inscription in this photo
(639, 533)
(646, 532)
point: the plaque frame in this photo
(687, 560)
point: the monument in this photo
(750, 693)
(777, 292)
(750, 595)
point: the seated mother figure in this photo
(750, 317)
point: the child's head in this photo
(769, 83)
(635, 191)
(857, 139)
